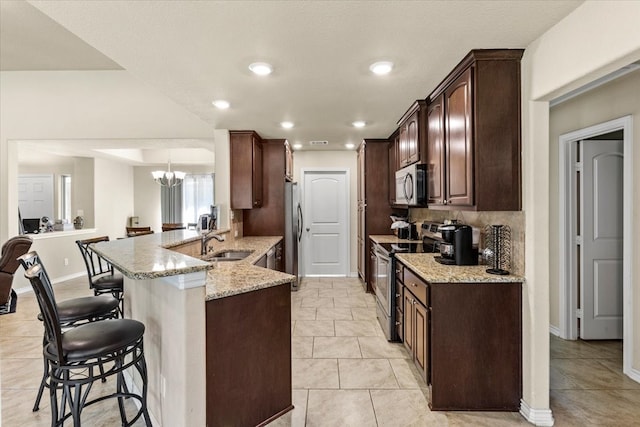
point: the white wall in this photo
(331, 160)
(581, 48)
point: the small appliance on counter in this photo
(457, 246)
(404, 229)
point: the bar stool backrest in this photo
(96, 265)
(44, 293)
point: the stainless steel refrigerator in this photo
(293, 229)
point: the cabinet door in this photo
(402, 146)
(421, 342)
(459, 141)
(257, 173)
(435, 152)
(412, 144)
(392, 171)
(408, 321)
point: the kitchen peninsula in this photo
(218, 334)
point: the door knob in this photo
(308, 230)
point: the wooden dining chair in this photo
(168, 226)
(138, 231)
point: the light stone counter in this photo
(391, 238)
(176, 253)
(432, 271)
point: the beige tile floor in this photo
(344, 372)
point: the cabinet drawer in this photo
(416, 285)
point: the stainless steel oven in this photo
(384, 284)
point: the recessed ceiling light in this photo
(221, 104)
(359, 124)
(349, 146)
(261, 68)
(381, 68)
(287, 125)
(297, 146)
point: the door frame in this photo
(567, 276)
(347, 241)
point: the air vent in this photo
(319, 142)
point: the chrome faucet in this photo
(206, 238)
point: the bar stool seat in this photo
(84, 308)
(97, 338)
(108, 283)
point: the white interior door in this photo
(325, 233)
(601, 232)
(35, 196)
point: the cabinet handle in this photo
(398, 323)
(397, 295)
(414, 285)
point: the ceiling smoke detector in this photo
(319, 142)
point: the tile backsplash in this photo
(514, 219)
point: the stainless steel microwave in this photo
(411, 185)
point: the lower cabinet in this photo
(465, 339)
(416, 321)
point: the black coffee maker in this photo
(457, 245)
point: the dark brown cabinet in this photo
(416, 320)
(373, 203)
(435, 152)
(473, 134)
(393, 166)
(459, 142)
(246, 170)
(411, 134)
(465, 339)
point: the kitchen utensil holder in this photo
(497, 242)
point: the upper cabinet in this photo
(246, 170)
(288, 162)
(411, 134)
(393, 165)
(473, 134)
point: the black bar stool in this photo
(72, 312)
(102, 277)
(84, 354)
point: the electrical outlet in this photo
(66, 261)
(235, 233)
(163, 385)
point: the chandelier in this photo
(168, 178)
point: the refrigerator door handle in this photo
(300, 223)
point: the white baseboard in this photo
(634, 374)
(554, 330)
(538, 417)
(53, 282)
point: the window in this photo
(65, 197)
(185, 202)
(198, 196)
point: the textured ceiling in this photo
(198, 51)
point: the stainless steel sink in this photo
(229, 255)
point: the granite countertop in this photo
(155, 255)
(432, 271)
(391, 238)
